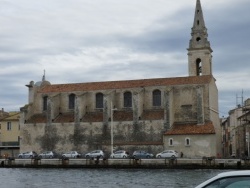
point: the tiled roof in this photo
(182, 129)
(153, 114)
(37, 118)
(93, 117)
(92, 86)
(125, 115)
(64, 118)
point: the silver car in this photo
(168, 154)
(28, 154)
(47, 155)
(71, 154)
(94, 154)
(120, 154)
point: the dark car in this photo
(142, 154)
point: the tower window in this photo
(45, 101)
(198, 39)
(99, 100)
(72, 101)
(157, 98)
(127, 99)
(198, 67)
(198, 11)
(198, 22)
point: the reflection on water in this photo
(104, 178)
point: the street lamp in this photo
(111, 127)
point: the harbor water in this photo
(103, 178)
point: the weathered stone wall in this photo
(84, 137)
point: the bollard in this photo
(65, 161)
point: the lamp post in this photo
(111, 127)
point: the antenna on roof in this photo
(43, 79)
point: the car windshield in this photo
(230, 182)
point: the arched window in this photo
(45, 101)
(170, 142)
(157, 97)
(187, 142)
(127, 96)
(72, 98)
(99, 100)
(198, 67)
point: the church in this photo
(179, 113)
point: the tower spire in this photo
(199, 51)
(199, 30)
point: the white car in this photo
(168, 154)
(232, 179)
(94, 154)
(119, 154)
(71, 154)
(47, 155)
(29, 154)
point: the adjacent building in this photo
(179, 113)
(10, 134)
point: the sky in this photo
(102, 40)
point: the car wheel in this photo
(158, 156)
(31, 156)
(101, 157)
(50, 157)
(87, 156)
(147, 156)
(173, 157)
(20, 156)
(124, 157)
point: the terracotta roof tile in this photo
(37, 118)
(125, 115)
(64, 118)
(92, 86)
(93, 117)
(153, 114)
(181, 129)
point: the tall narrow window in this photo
(9, 126)
(72, 98)
(127, 99)
(99, 100)
(198, 67)
(45, 101)
(170, 141)
(157, 98)
(187, 142)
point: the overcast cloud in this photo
(100, 40)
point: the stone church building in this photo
(179, 113)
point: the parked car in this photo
(230, 179)
(71, 154)
(142, 154)
(28, 154)
(168, 154)
(120, 154)
(94, 154)
(47, 155)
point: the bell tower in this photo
(199, 51)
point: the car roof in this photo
(226, 174)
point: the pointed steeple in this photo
(199, 30)
(199, 51)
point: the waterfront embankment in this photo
(183, 163)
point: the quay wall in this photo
(127, 163)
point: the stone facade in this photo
(145, 113)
